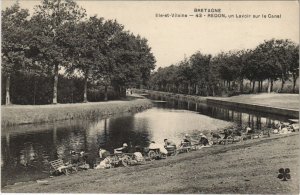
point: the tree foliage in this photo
(225, 73)
(58, 41)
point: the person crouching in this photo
(203, 140)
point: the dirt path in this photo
(249, 167)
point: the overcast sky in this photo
(172, 38)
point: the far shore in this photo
(272, 103)
(276, 100)
(31, 114)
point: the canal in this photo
(26, 150)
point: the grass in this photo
(248, 167)
(280, 100)
(27, 114)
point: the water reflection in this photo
(25, 154)
(241, 117)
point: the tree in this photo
(186, 74)
(242, 60)
(103, 72)
(274, 57)
(200, 67)
(146, 59)
(223, 65)
(84, 48)
(131, 59)
(294, 64)
(14, 43)
(49, 21)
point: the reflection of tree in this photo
(258, 122)
(126, 129)
(105, 128)
(240, 123)
(27, 155)
(7, 138)
(249, 120)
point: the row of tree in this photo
(203, 74)
(59, 40)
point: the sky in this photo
(171, 39)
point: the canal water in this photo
(26, 150)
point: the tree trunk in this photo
(294, 83)
(250, 84)
(242, 86)
(72, 95)
(189, 88)
(253, 86)
(269, 85)
(85, 88)
(105, 93)
(122, 91)
(206, 89)
(117, 90)
(282, 85)
(55, 84)
(197, 90)
(7, 98)
(34, 91)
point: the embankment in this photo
(255, 107)
(28, 114)
(275, 104)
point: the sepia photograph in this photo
(150, 97)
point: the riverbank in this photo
(279, 100)
(273, 103)
(29, 114)
(248, 167)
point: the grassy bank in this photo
(280, 100)
(19, 114)
(249, 167)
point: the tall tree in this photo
(200, 67)
(84, 48)
(15, 37)
(49, 20)
(146, 60)
(274, 58)
(186, 74)
(132, 59)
